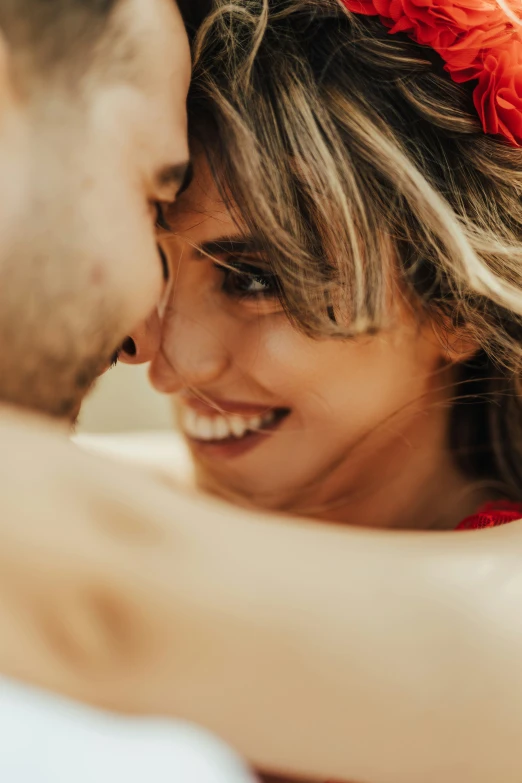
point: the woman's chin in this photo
(258, 489)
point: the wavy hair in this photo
(355, 160)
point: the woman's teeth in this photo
(212, 428)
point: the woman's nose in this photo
(193, 354)
(143, 344)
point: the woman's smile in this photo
(227, 429)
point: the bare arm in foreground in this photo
(389, 658)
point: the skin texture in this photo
(119, 592)
(79, 265)
(356, 655)
(366, 438)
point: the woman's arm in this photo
(313, 649)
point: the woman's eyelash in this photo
(246, 281)
(164, 264)
(162, 223)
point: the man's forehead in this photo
(157, 116)
(155, 23)
(164, 61)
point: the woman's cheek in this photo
(286, 359)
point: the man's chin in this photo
(75, 415)
(55, 386)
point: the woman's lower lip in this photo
(232, 447)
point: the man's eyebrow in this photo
(176, 175)
(228, 246)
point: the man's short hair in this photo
(45, 34)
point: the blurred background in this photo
(123, 401)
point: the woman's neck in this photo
(400, 478)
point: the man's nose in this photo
(143, 344)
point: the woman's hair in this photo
(356, 163)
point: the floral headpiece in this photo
(477, 40)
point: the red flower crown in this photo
(477, 39)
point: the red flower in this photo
(365, 7)
(498, 95)
(427, 21)
(476, 40)
(465, 57)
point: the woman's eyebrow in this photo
(228, 246)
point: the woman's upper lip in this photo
(216, 406)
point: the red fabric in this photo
(493, 514)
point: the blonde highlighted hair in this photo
(353, 158)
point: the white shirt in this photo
(46, 739)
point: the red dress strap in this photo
(492, 514)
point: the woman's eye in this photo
(164, 264)
(162, 223)
(244, 281)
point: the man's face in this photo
(80, 178)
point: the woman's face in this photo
(281, 419)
